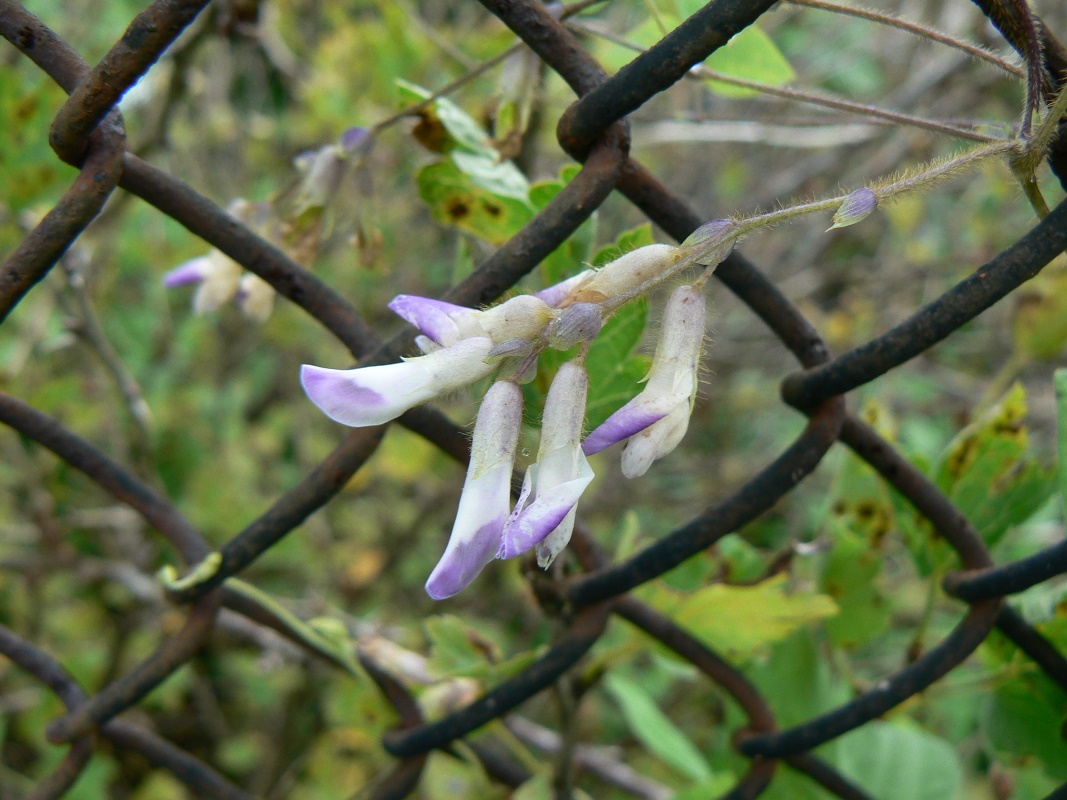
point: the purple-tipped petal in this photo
(559, 481)
(356, 141)
(462, 561)
(374, 395)
(435, 318)
(556, 294)
(342, 397)
(624, 423)
(485, 504)
(193, 271)
(535, 523)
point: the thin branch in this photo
(971, 49)
(803, 96)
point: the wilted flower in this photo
(485, 504)
(374, 395)
(544, 513)
(654, 422)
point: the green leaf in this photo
(539, 787)
(988, 474)
(455, 199)
(751, 55)
(458, 649)
(655, 730)
(626, 241)
(501, 178)
(716, 787)
(614, 374)
(447, 777)
(849, 576)
(570, 257)
(899, 762)
(1024, 718)
(740, 620)
(1039, 328)
(462, 128)
(453, 127)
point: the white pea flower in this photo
(217, 277)
(544, 514)
(654, 422)
(485, 504)
(374, 395)
(522, 317)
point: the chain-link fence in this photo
(88, 133)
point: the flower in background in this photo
(544, 513)
(220, 279)
(485, 505)
(654, 422)
(292, 225)
(216, 276)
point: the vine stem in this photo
(802, 96)
(977, 51)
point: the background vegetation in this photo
(835, 587)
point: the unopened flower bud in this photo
(714, 236)
(512, 348)
(356, 142)
(580, 322)
(859, 205)
(628, 272)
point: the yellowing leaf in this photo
(741, 619)
(988, 473)
(456, 198)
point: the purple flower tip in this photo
(356, 141)
(188, 273)
(859, 205)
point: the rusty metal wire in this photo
(88, 132)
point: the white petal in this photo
(219, 285)
(375, 395)
(255, 297)
(654, 442)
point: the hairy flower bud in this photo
(627, 272)
(714, 236)
(857, 206)
(580, 322)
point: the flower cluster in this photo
(289, 222)
(462, 345)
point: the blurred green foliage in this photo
(817, 600)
